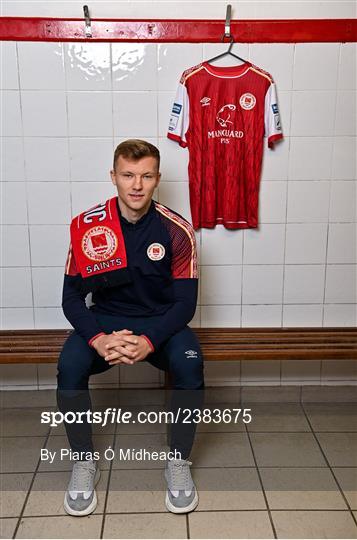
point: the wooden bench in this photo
(229, 344)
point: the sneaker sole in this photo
(90, 508)
(184, 510)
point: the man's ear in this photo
(112, 176)
(158, 179)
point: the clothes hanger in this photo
(227, 34)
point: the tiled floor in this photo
(290, 473)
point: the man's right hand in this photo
(122, 340)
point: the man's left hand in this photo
(142, 350)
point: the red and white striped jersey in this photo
(222, 115)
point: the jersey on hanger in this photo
(222, 114)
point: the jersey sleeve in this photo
(184, 252)
(71, 267)
(180, 114)
(273, 130)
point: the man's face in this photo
(135, 182)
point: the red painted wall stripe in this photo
(184, 31)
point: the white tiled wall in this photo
(66, 106)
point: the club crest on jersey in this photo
(247, 101)
(156, 252)
(99, 243)
(223, 115)
(205, 101)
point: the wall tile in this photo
(106, 379)
(344, 158)
(214, 49)
(47, 286)
(255, 316)
(87, 194)
(342, 243)
(173, 60)
(135, 114)
(87, 66)
(221, 284)
(275, 160)
(12, 167)
(305, 243)
(37, 61)
(308, 201)
(50, 317)
(49, 203)
(222, 373)
(272, 202)
(10, 114)
(277, 59)
(174, 161)
(262, 372)
(221, 246)
(300, 372)
(341, 284)
(15, 245)
(310, 158)
(35, 112)
(345, 124)
(165, 101)
(255, 280)
(13, 204)
(47, 159)
(8, 57)
(302, 315)
(284, 101)
(338, 370)
(175, 195)
(311, 113)
(16, 318)
(49, 245)
(16, 287)
(316, 66)
(340, 315)
(90, 114)
(343, 201)
(264, 245)
(20, 377)
(221, 316)
(304, 284)
(47, 376)
(91, 159)
(347, 68)
(134, 66)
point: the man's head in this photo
(136, 174)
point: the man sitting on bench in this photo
(138, 259)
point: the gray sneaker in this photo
(181, 494)
(80, 498)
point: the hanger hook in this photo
(227, 26)
(88, 23)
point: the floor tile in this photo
(314, 524)
(329, 394)
(347, 479)
(226, 394)
(149, 442)
(332, 416)
(22, 421)
(145, 526)
(144, 396)
(286, 450)
(340, 448)
(20, 454)
(142, 490)
(56, 443)
(270, 394)
(273, 417)
(47, 494)
(222, 450)
(223, 418)
(60, 527)
(28, 398)
(230, 525)
(295, 489)
(7, 527)
(14, 488)
(228, 489)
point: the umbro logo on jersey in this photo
(205, 101)
(191, 354)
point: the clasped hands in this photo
(122, 347)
